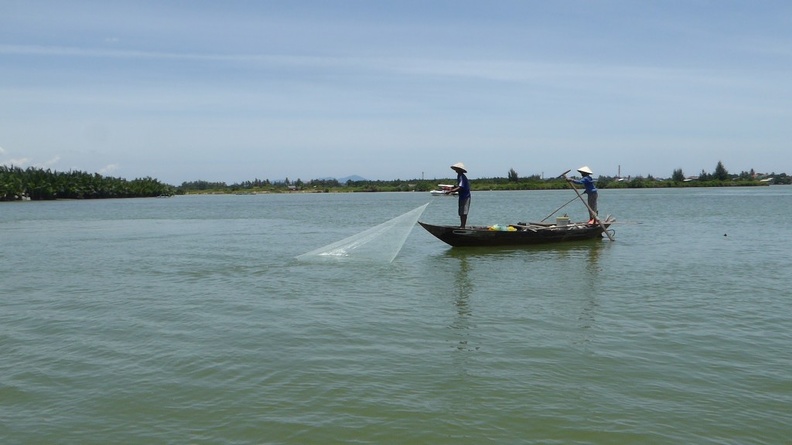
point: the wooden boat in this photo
(517, 234)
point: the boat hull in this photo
(525, 234)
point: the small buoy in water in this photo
(724, 234)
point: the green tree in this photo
(513, 177)
(721, 174)
(38, 184)
(678, 175)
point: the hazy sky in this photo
(237, 90)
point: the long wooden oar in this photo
(592, 212)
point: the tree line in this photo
(720, 177)
(38, 184)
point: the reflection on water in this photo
(587, 317)
(463, 290)
(557, 261)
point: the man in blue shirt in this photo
(588, 182)
(463, 188)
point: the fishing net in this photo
(379, 243)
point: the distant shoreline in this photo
(379, 188)
(35, 184)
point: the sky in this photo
(240, 90)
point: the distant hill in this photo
(350, 178)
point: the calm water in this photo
(189, 320)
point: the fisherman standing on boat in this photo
(463, 188)
(588, 182)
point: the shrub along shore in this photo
(38, 184)
(428, 185)
(33, 184)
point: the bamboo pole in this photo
(554, 211)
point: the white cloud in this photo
(107, 169)
(49, 163)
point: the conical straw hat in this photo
(459, 166)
